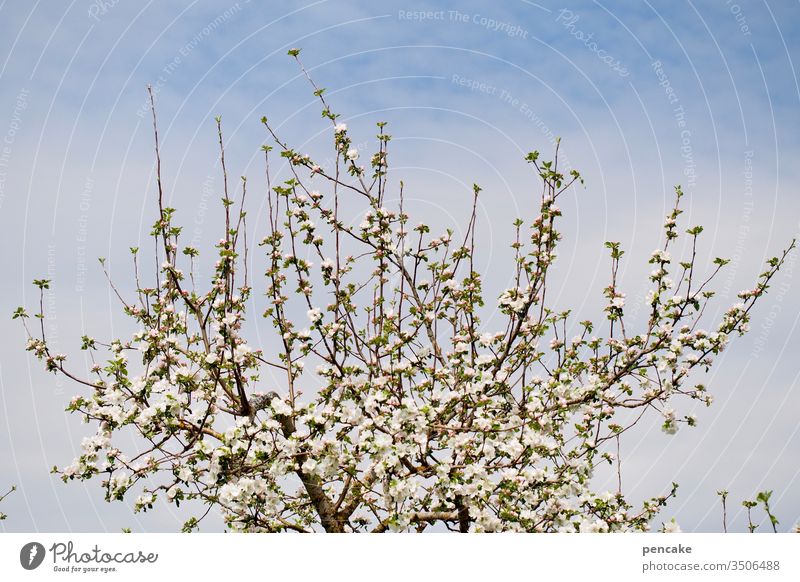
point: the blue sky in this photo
(468, 88)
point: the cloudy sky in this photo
(645, 95)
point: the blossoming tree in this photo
(396, 408)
